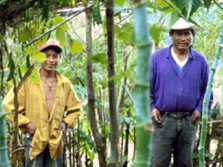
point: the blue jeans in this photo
(173, 137)
(43, 159)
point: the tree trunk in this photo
(4, 161)
(100, 141)
(206, 103)
(142, 86)
(127, 132)
(111, 85)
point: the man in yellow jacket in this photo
(45, 109)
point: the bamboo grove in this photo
(141, 90)
(103, 70)
(206, 102)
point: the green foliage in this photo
(125, 33)
(12, 68)
(39, 56)
(119, 2)
(97, 13)
(34, 77)
(99, 58)
(76, 47)
(157, 32)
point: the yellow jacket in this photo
(32, 108)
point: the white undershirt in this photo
(177, 60)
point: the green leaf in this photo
(76, 47)
(11, 67)
(39, 56)
(117, 29)
(60, 34)
(189, 9)
(120, 2)
(31, 50)
(27, 61)
(207, 3)
(96, 13)
(121, 75)
(127, 34)
(117, 9)
(24, 69)
(24, 35)
(163, 6)
(59, 19)
(34, 77)
(156, 32)
(99, 58)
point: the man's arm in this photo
(73, 106)
(204, 83)
(8, 106)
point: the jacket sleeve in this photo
(73, 106)
(205, 77)
(152, 82)
(8, 106)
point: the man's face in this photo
(51, 61)
(182, 39)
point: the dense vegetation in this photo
(103, 75)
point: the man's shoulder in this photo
(63, 78)
(160, 53)
(198, 55)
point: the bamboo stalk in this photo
(207, 96)
(142, 86)
(4, 161)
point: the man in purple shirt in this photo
(179, 77)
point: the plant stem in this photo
(207, 96)
(142, 86)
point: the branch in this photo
(217, 3)
(131, 97)
(63, 22)
(177, 10)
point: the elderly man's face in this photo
(51, 61)
(182, 39)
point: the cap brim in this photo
(57, 48)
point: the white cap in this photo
(181, 24)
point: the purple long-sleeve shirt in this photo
(172, 91)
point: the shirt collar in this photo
(191, 51)
(59, 77)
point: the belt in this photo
(177, 115)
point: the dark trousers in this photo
(173, 136)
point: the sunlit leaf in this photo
(76, 47)
(39, 56)
(59, 19)
(60, 34)
(163, 6)
(24, 69)
(34, 77)
(120, 2)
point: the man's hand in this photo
(196, 115)
(30, 128)
(62, 126)
(155, 116)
